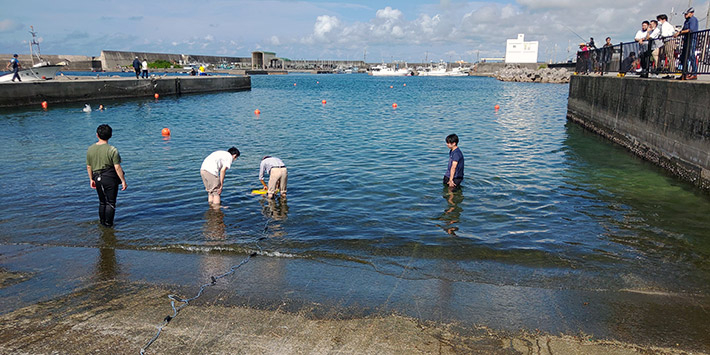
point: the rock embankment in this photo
(544, 75)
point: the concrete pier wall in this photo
(664, 121)
(114, 60)
(86, 89)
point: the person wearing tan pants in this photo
(278, 175)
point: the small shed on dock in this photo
(266, 60)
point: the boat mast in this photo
(32, 44)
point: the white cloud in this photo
(9, 25)
(389, 14)
(324, 25)
(464, 28)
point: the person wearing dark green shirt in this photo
(103, 163)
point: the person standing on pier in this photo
(137, 67)
(687, 58)
(667, 55)
(103, 163)
(213, 169)
(144, 68)
(454, 171)
(16, 66)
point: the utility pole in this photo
(555, 51)
(707, 18)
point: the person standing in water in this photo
(278, 175)
(213, 169)
(454, 171)
(103, 163)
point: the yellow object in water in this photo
(261, 191)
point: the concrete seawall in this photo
(663, 121)
(89, 88)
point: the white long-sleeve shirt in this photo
(267, 164)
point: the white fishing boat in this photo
(40, 70)
(442, 70)
(383, 70)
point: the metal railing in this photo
(664, 56)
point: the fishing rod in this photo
(575, 33)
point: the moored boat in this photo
(383, 70)
(42, 70)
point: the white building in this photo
(519, 51)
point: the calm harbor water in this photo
(544, 203)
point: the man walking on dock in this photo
(144, 69)
(137, 67)
(15, 64)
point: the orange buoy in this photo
(256, 112)
(44, 105)
(323, 102)
(391, 86)
(317, 82)
(394, 105)
(404, 84)
(156, 95)
(294, 84)
(496, 107)
(165, 131)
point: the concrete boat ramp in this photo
(65, 89)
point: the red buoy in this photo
(44, 105)
(156, 96)
(165, 131)
(323, 102)
(257, 112)
(394, 105)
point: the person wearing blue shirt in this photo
(687, 58)
(137, 67)
(15, 64)
(454, 171)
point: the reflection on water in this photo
(276, 211)
(214, 229)
(107, 266)
(452, 213)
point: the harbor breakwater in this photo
(90, 88)
(527, 75)
(665, 122)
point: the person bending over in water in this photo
(278, 175)
(454, 172)
(103, 163)
(213, 169)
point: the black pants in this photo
(144, 74)
(16, 75)
(107, 189)
(138, 72)
(457, 181)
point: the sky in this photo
(405, 30)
